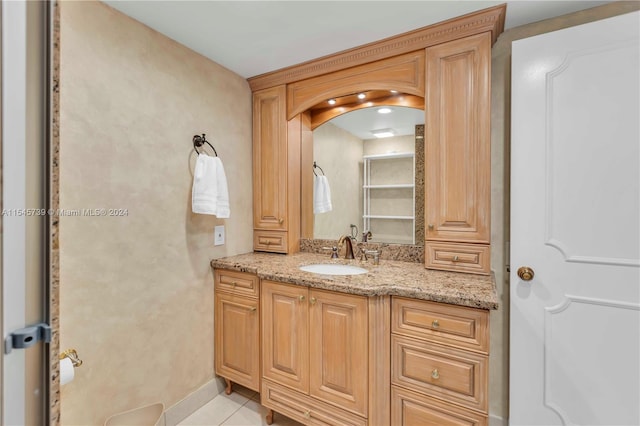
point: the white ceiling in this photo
(255, 37)
(361, 122)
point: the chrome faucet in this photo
(348, 254)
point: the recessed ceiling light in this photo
(394, 91)
(361, 96)
(383, 133)
(332, 101)
(384, 110)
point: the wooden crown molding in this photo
(491, 19)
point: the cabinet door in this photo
(270, 159)
(458, 140)
(237, 339)
(338, 349)
(285, 334)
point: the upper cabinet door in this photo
(270, 159)
(457, 140)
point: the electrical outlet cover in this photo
(218, 235)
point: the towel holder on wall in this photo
(198, 141)
(315, 166)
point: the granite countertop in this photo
(389, 278)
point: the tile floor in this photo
(241, 408)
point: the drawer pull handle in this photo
(267, 242)
(281, 221)
(253, 309)
(456, 258)
(435, 324)
(307, 414)
(234, 283)
(301, 298)
(312, 300)
(435, 374)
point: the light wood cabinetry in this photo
(457, 147)
(439, 363)
(315, 344)
(237, 328)
(276, 173)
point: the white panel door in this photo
(575, 221)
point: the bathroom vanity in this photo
(399, 344)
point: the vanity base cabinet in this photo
(237, 328)
(315, 353)
(439, 363)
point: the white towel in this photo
(209, 194)
(321, 195)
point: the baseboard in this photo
(497, 421)
(192, 402)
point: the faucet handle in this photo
(334, 251)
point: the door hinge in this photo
(26, 337)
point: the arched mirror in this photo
(372, 159)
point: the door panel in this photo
(575, 327)
(285, 334)
(457, 140)
(338, 348)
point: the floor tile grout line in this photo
(237, 409)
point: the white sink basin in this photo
(332, 269)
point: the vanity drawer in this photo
(272, 241)
(240, 283)
(445, 373)
(305, 409)
(412, 409)
(450, 325)
(470, 258)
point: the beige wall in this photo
(500, 142)
(137, 291)
(339, 153)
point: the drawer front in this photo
(470, 258)
(450, 325)
(240, 283)
(444, 373)
(305, 409)
(412, 409)
(271, 241)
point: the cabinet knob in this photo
(312, 300)
(435, 324)
(281, 221)
(430, 226)
(525, 273)
(435, 374)
(456, 258)
(301, 298)
(307, 414)
(253, 309)
(233, 283)
(267, 242)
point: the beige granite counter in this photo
(389, 278)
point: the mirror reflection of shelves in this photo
(389, 197)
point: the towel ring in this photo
(315, 166)
(198, 141)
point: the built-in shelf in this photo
(374, 216)
(394, 186)
(370, 215)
